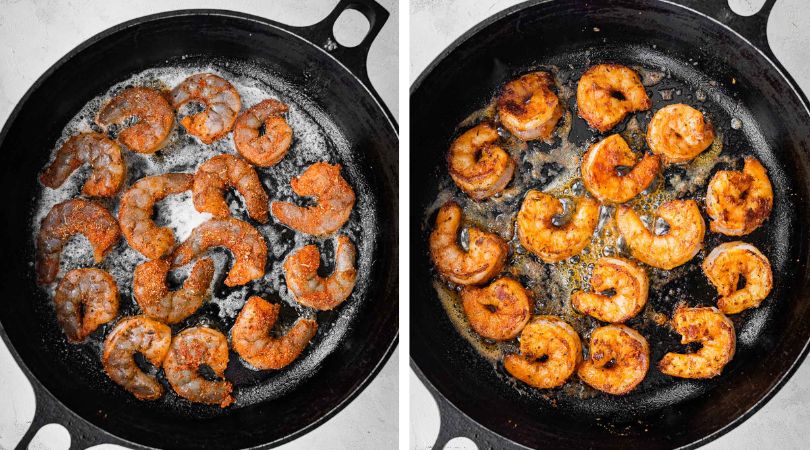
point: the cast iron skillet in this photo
(704, 45)
(333, 76)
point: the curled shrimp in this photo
(245, 243)
(251, 338)
(676, 246)
(739, 202)
(478, 165)
(190, 349)
(606, 93)
(266, 148)
(629, 283)
(153, 119)
(484, 258)
(618, 360)
(528, 108)
(138, 334)
(713, 330)
(221, 171)
(726, 264)
(539, 232)
(601, 165)
(550, 351)
(136, 209)
(314, 291)
(156, 301)
(84, 300)
(104, 157)
(71, 217)
(679, 133)
(334, 201)
(498, 311)
(220, 99)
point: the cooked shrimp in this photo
(221, 171)
(84, 300)
(190, 349)
(606, 93)
(539, 234)
(739, 202)
(75, 216)
(478, 165)
(550, 351)
(669, 250)
(627, 280)
(528, 108)
(484, 258)
(156, 301)
(138, 334)
(136, 209)
(104, 157)
(679, 133)
(498, 311)
(145, 116)
(334, 201)
(251, 338)
(713, 330)
(726, 264)
(314, 291)
(263, 148)
(245, 243)
(618, 360)
(220, 99)
(601, 165)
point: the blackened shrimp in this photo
(726, 264)
(84, 300)
(477, 163)
(601, 165)
(222, 171)
(190, 349)
(314, 291)
(550, 351)
(679, 133)
(265, 148)
(630, 288)
(713, 330)
(606, 93)
(156, 301)
(618, 360)
(528, 108)
(102, 154)
(145, 116)
(498, 311)
(131, 336)
(221, 102)
(738, 202)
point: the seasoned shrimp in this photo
(334, 201)
(152, 114)
(601, 165)
(263, 148)
(138, 334)
(679, 133)
(190, 349)
(104, 157)
(245, 243)
(251, 338)
(726, 264)
(220, 99)
(483, 260)
(314, 291)
(606, 93)
(713, 330)
(539, 234)
(136, 209)
(75, 216)
(739, 202)
(84, 300)
(669, 250)
(498, 311)
(550, 351)
(478, 165)
(528, 108)
(618, 360)
(627, 280)
(221, 171)
(156, 301)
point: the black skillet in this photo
(705, 46)
(93, 409)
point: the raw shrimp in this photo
(679, 133)
(483, 260)
(550, 351)
(528, 108)
(713, 330)
(739, 202)
(145, 116)
(726, 264)
(156, 301)
(478, 165)
(263, 148)
(138, 334)
(618, 360)
(314, 291)
(629, 283)
(539, 233)
(606, 93)
(190, 349)
(251, 338)
(84, 300)
(221, 102)
(498, 311)
(221, 171)
(104, 157)
(601, 165)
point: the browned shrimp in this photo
(314, 291)
(154, 119)
(104, 157)
(739, 202)
(528, 108)
(608, 92)
(618, 360)
(713, 330)
(266, 148)
(251, 338)
(190, 349)
(478, 165)
(679, 133)
(600, 170)
(627, 280)
(85, 299)
(221, 171)
(726, 264)
(498, 311)
(539, 234)
(156, 301)
(220, 99)
(138, 334)
(550, 351)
